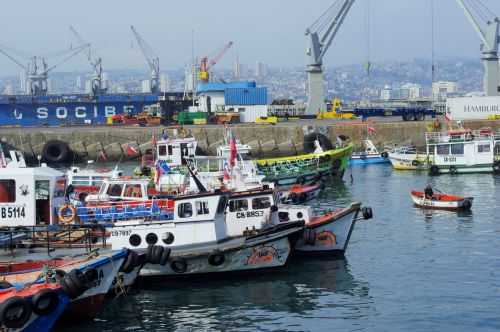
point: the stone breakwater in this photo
(123, 143)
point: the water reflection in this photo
(301, 288)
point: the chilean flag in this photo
(131, 150)
(371, 131)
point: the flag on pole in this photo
(371, 131)
(102, 155)
(227, 177)
(131, 150)
(154, 141)
(232, 150)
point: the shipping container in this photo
(472, 108)
(248, 96)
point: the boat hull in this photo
(369, 159)
(331, 234)
(408, 161)
(465, 203)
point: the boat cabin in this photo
(87, 178)
(175, 150)
(30, 196)
(121, 189)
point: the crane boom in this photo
(77, 51)
(13, 59)
(319, 43)
(219, 55)
(490, 39)
(152, 60)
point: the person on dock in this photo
(428, 192)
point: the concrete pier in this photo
(123, 143)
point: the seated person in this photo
(428, 192)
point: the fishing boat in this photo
(370, 155)
(306, 168)
(88, 180)
(441, 201)
(464, 151)
(31, 307)
(299, 194)
(408, 158)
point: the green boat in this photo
(306, 168)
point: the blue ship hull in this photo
(369, 161)
(59, 110)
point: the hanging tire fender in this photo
(23, 312)
(44, 302)
(178, 265)
(165, 256)
(216, 258)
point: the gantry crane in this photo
(321, 35)
(206, 64)
(490, 39)
(152, 60)
(97, 84)
(37, 69)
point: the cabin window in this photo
(483, 148)
(42, 189)
(185, 210)
(238, 205)
(133, 190)
(7, 191)
(170, 150)
(162, 150)
(457, 149)
(201, 207)
(443, 149)
(81, 180)
(260, 203)
(115, 189)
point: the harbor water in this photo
(405, 270)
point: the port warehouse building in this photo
(245, 98)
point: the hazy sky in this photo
(270, 31)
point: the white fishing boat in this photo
(440, 201)
(370, 155)
(408, 158)
(463, 151)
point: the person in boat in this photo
(428, 192)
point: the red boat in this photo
(441, 201)
(299, 194)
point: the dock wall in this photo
(122, 143)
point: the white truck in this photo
(473, 108)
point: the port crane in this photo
(490, 39)
(152, 60)
(37, 69)
(206, 64)
(321, 35)
(97, 83)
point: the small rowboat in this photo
(299, 194)
(441, 201)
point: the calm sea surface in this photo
(404, 270)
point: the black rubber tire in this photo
(324, 142)
(467, 205)
(216, 258)
(15, 304)
(496, 167)
(156, 255)
(165, 256)
(367, 212)
(73, 283)
(130, 262)
(5, 285)
(44, 302)
(178, 265)
(453, 170)
(149, 253)
(90, 276)
(56, 151)
(434, 170)
(301, 180)
(384, 155)
(415, 163)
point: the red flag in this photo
(232, 151)
(153, 141)
(371, 131)
(131, 150)
(227, 177)
(102, 155)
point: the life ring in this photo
(496, 167)
(63, 215)
(44, 302)
(178, 265)
(216, 258)
(434, 170)
(18, 305)
(453, 170)
(384, 155)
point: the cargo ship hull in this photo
(61, 110)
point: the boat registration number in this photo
(249, 214)
(121, 233)
(12, 212)
(450, 159)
